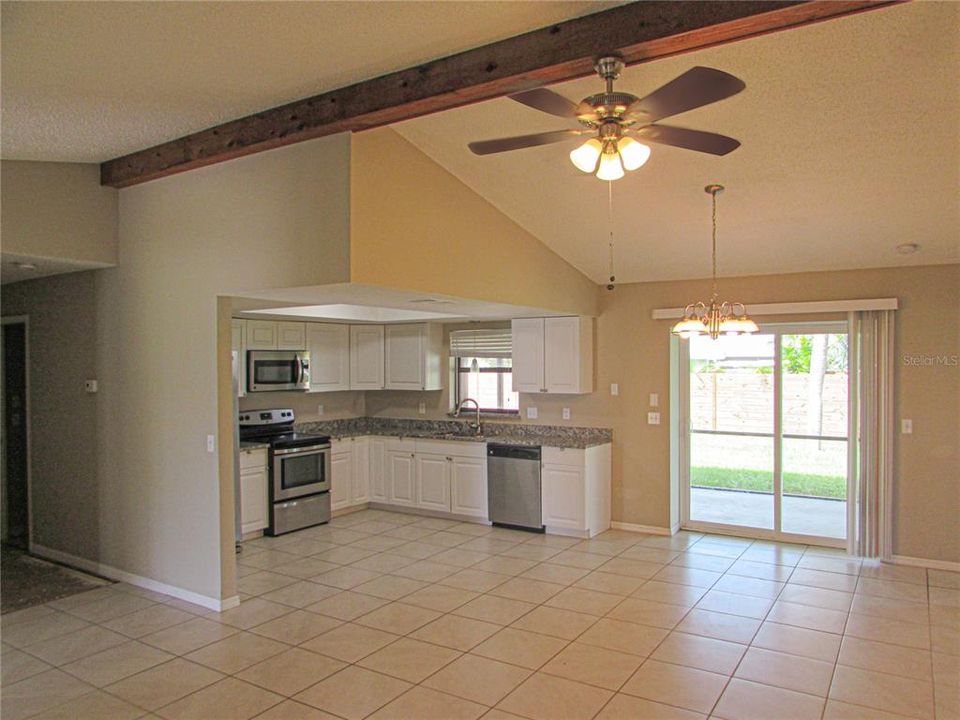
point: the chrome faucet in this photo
(475, 426)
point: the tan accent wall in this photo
(58, 210)
(414, 226)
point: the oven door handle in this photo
(312, 450)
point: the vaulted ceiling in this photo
(849, 127)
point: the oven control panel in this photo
(266, 417)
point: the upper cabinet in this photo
(412, 357)
(553, 355)
(273, 335)
(366, 357)
(329, 347)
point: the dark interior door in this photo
(15, 431)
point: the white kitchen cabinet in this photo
(238, 345)
(468, 486)
(366, 357)
(412, 355)
(254, 502)
(341, 474)
(291, 336)
(329, 347)
(433, 482)
(378, 470)
(261, 334)
(401, 476)
(575, 490)
(553, 355)
(360, 486)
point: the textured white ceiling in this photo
(89, 81)
(851, 146)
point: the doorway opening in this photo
(15, 514)
(765, 446)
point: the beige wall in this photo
(414, 226)
(66, 495)
(58, 210)
(336, 405)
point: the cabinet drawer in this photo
(458, 448)
(253, 458)
(563, 456)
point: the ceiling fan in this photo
(615, 119)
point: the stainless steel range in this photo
(299, 481)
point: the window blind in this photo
(481, 343)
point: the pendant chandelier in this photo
(714, 318)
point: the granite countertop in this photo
(252, 445)
(507, 433)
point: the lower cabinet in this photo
(468, 486)
(575, 490)
(401, 476)
(378, 470)
(349, 472)
(433, 482)
(254, 503)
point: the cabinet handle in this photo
(449, 459)
(412, 455)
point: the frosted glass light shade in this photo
(633, 153)
(610, 167)
(585, 157)
(689, 327)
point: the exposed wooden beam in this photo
(640, 31)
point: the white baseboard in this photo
(926, 563)
(647, 529)
(108, 571)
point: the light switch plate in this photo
(422, 408)
(653, 418)
(566, 413)
(532, 413)
(319, 409)
(91, 386)
(906, 426)
(654, 400)
(614, 389)
(211, 443)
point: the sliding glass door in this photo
(765, 443)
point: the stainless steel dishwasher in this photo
(513, 486)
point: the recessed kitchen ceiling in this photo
(90, 81)
(850, 148)
(364, 313)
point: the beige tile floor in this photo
(385, 615)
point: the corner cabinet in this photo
(553, 355)
(349, 472)
(366, 357)
(253, 490)
(412, 357)
(329, 347)
(575, 490)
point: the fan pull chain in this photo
(613, 279)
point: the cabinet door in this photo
(528, 355)
(405, 351)
(360, 488)
(568, 355)
(253, 499)
(341, 478)
(366, 357)
(378, 471)
(433, 482)
(563, 498)
(261, 335)
(468, 486)
(329, 347)
(401, 474)
(291, 336)
(238, 346)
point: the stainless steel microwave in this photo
(278, 370)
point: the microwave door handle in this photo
(299, 369)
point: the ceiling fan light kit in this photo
(614, 120)
(715, 317)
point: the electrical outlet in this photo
(906, 427)
(654, 400)
(319, 409)
(566, 413)
(653, 418)
(614, 389)
(422, 408)
(211, 443)
(91, 386)
(531, 413)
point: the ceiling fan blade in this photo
(546, 101)
(697, 87)
(486, 147)
(698, 140)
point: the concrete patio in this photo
(801, 515)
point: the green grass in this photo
(828, 486)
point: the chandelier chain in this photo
(610, 224)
